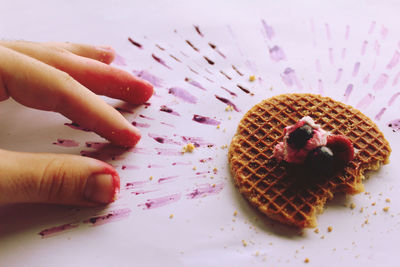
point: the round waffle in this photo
(291, 197)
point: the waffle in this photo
(275, 190)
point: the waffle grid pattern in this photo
(265, 182)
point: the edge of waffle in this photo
(250, 156)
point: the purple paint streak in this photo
(365, 101)
(197, 141)
(395, 125)
(192, 46)
(205, 190)
(384, 32)
(119, 60)
(215, 48)
(348, 91)
(366, 79)
(381, 82)
(145, 75)
(396, 79)
(138, 45)
(393, 98)
(237, 70)
(226, 75)
(168, 152)
(163, 139)
(76, 126)
(289, 77)
(183, 94)
(276, 53)
(205, 120)
(247, 91)
(161, 61)
(209, 61)
(372, 27)
(57, 229)
(364, 47)
(195, 83)
(229, 91)
(66, 143)
(161, 201)
(130, 167)
(112, 216)
(268, 30)
(228, 102)
(338, 75)
(166, 109)
(380, 113)
(141, 124)
(394, 61)
(356, 69)
(167, 179)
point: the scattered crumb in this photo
(352, 206)
(213, 185)
(330, 228)
(171, 216)
(322, 237)
(224, 130)
(151, 178)
(306, 260)
(257, 253)
(244, 243)
(387, 200)
(252, 78)
(385, 209)
(366, 221)
(229, 118)
(362, 209)
(373, 203)
(374, 212)
(218, 126)
(229, 108)
(188, 148)
(194, 168)
(235, 213)
(215, 170)
(316, 231)
(224, 146)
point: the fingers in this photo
(101, 78)
(105, 54)
(60, 179)
(37, 85)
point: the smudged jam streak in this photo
(205, 120)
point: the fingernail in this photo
(102, 188)
(105, 48)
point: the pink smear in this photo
(194, 83)
(57, 229)
(112, 216)
(348, 91)
(366, 79)
(66, 143)
(356, 69)
(229, 91)
(119, 60)
(163, 139)
(289, 78)
(197, 28)
(227, 102)
(366, 101)
(215, 48)
(377, 47)
(338, 75)
(167, 179)
(183, 94)
(372, 27)
(268, 30)
(146, 117)
(197, 141)
(384, 32)
(396, 79)
(381, 82)
(328, 31)
(347, 34)
(394, 61)
(331, 55)
(145, 75)
(141, 124)
(343, 52)
(136, 184)
(168, 152)
(129, 167)
(181, 163)
(205, 190)
(205, 120)
(393, 98)
(364, 47)
(161, 201)
(317, 65)
(155, 166)
(168, 124)
(166, 109)
(276, 53)
(379, 115)
(141, 150)
(161, 61)
(138, 45)
(320, 87)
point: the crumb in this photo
(252, 78)
(387, 200)
(322, 237)
(218, 126)
(244, 243)
(362, 209)
(352, 206)
(229, 118)
(366, 221)
(235, 213)
(213, 185)
(257, 253)
(229, 108)
(215, 170)
(271, 88)
(194, 168)
(374, 212)
(188, 148)
(316, 231)
(224, 130)
(373, 204)
(306, 260)
(330, 228)
(385, 209)
(171, 216)
(151, 178)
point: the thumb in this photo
(56, 178)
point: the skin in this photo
(66, 78)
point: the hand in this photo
(57, 77)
